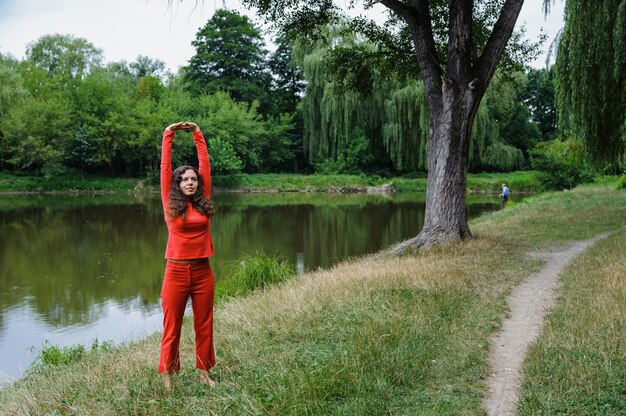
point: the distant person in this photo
(187, 206)
(504, 196)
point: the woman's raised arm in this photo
(166, 162)
(204, 164)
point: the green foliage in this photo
(561, 163)
(590, 68)
(353, 159)
(62, 111)
(256, 271)
(518, 182)
(261, 145)
(621, 182)
(224, 159)
(12, 89)
(287, 82)
(64, 57)
(110, 120)
(230, 57)
(69, 181)
(394, 115)
(517, 129)
(406, 126)
(294, 182)
(54, 355)
(34, 133)
(145, 66)
(539, 96)
(503, 158)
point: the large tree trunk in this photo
(446, 217)
(453, 96)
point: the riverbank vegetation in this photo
(519, 182)
(379, 334)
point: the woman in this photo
(185, 194)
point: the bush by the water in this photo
(561, 163)
(621, 182)
(255, 271)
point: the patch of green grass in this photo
(254, 271)
(54, 355)
(578, 365)
(521, 182)
(621, 182)
(410, 184)
(556, 217)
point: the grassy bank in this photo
(520, 182)
(404, 335)
(13, 183)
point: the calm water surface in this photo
(74, 269)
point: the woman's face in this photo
(189, 182)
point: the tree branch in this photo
(417, 17)
(460, 40)
(396, 6)
(500, 35)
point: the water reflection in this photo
(73, 268)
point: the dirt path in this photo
(528, 304)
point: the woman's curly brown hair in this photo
(177, 203)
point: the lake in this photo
(74, 269)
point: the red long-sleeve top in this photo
(189, 238)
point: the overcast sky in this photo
(124, 29)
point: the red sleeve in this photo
(203, 161)
(166, 166)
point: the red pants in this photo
(181, 281)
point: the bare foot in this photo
(168, 382)
(205, 379)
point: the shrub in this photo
(259, 271)
(561, 163)
(621, 182)
(354, 158)
(224, 159)
(54, 355)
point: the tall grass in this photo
(254, 271)
(578, 365)
(401, 335)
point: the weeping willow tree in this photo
(332, 112)
(488, 150)
(394, 115)
(591, 75)
(405, 132)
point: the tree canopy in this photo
(230, 57)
